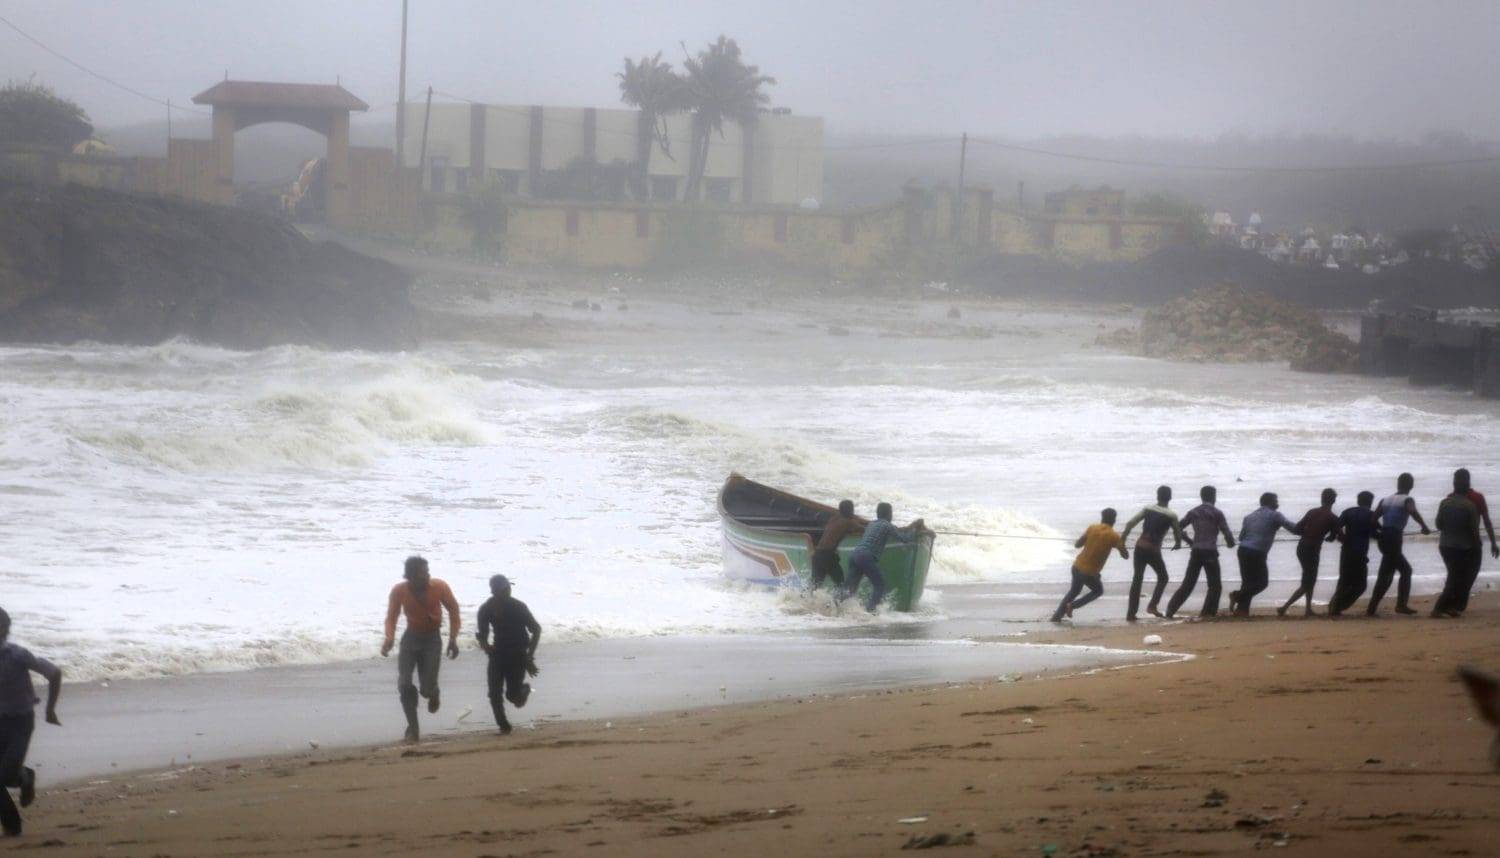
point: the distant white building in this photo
(778, 162)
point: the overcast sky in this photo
(1016, 69)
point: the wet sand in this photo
(1314, 737)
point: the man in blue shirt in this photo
(865, 561)
(1257, 534)
(18, 719)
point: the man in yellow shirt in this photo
(422, 599)
(1096, 543)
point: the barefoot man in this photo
(17, 720)
(422, 598)
(1096, 542)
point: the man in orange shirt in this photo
(422, 598)
(1096, 543)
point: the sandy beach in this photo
(1318, 737)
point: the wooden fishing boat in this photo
(767, 536)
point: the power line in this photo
(35, 41)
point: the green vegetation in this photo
(652, 87)
(1189, 216)
(720, 86)
(31, 114)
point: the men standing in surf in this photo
(825, 559)
(422, 598)
(1157, 521)
(1393, 512)
(1097, 541)
(865, 561)
(1460, 601)
(1207, 523)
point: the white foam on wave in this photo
(303, 425)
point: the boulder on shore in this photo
(82, 263)
(1227, 324)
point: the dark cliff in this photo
(86, 264)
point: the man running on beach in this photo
(1459, 544)
(1257, 535)
(1096, 543)
(422, 599)
(825, 559)
(1318, 525)
(1393, 512)
(1357, 526)
(1158, 520)
(18, 720)
(865, 561)
(1207, 523)
(513, 654)
(1461, 598)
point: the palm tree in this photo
(656, 91)
(720, 86)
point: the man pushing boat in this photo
(865, 561)
(825, 559)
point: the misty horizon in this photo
(1016, 71)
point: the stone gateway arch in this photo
(320, 108)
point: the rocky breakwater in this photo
(1227, 324)
(86, 264)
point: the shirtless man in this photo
(1158, 520)
(422, 599)
(825, 559)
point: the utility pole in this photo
(401, 96)
(958, 201)
(422, 156)
(958, 208)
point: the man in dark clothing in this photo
(513, 652)
(1318, 525)
(1458, 542)
(1207, 523)
(1155, 521)
(1357, 526)
(1393, 512)
(825, 559)
(18, 719)
(865, 561)
(1476, 559)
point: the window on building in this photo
(663, 187)
(778, 229)
(460, 181)
(572, 221)
(439, 180)
(718, 190)
(848, 233)
(642, 224)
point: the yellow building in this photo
(777, 162)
